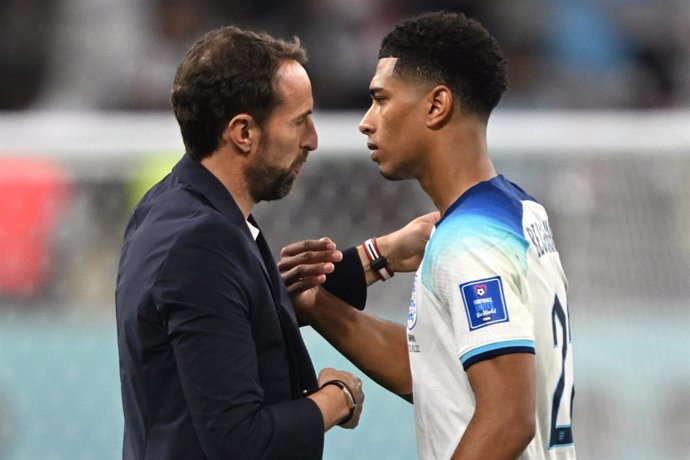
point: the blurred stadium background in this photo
(596, 125)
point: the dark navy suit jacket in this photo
(212, 362)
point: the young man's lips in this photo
(374, 150)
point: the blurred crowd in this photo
(122, 54)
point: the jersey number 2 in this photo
(561, 435)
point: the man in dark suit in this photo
(212, 362)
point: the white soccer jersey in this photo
(490, 283)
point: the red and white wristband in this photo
(379, 264)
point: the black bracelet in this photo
(350, 397)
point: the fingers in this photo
(305, 264)
(306, 271)
(431, 218)
(323, 244)
(302, 284)
(354, 383)
(306, 253)
(423, 223)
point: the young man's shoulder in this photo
(488, 216)
(492, 203)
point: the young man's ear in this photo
(242, 132)
(440, 106)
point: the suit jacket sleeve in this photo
(204, 295)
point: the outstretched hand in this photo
(404, 248)
(304, 266)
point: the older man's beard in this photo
(268, 183)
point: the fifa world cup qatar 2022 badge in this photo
(484, 302)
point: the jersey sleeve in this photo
(477, 269)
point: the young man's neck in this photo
(457, 161)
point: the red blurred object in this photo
(33, 194)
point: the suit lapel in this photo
(274, 277)
(200, 179)
(302, 371)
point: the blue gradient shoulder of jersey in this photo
(487, 216)
(498, 198)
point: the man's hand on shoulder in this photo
(404, 248)
(304, 266)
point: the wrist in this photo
(349, 398)
(377, 261)
(386, 248)
(308, 316)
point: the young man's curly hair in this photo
(451, 49)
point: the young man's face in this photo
(288, 135)
(395, 122)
